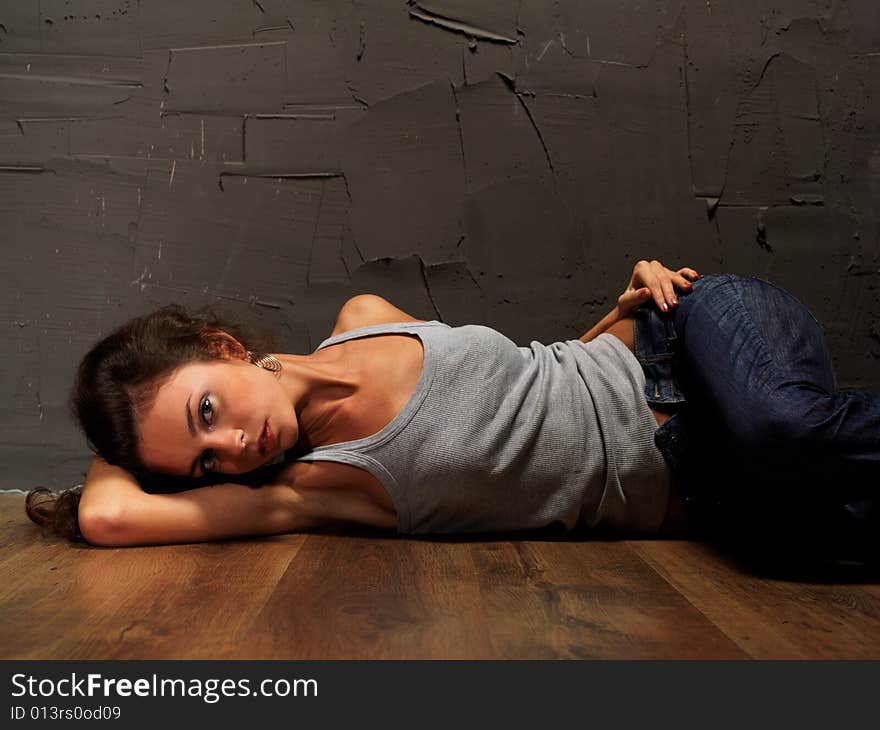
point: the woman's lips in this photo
(268, 439)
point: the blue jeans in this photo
(760, 436)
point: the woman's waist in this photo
(623, 331)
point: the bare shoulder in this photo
(363, 310)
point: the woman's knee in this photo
(798, 419)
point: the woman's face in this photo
(225, 416)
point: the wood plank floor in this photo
(363, 594)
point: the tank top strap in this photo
(386, 328)
(338, 451)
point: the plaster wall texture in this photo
(502, 163)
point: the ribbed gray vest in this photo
(500, 437)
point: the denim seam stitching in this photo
(787, 293)
(761, 339)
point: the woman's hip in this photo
(727, 354)
(729, 337)
(744, 329)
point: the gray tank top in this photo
(500, 437)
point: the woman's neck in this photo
(319, 386)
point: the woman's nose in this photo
(229, 447)
(230, 443)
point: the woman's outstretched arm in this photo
(115, 511)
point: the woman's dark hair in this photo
(117, 381)
(56, 511)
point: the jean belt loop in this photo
(671, 335)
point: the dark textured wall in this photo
(503, 163)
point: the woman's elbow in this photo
(102, 528)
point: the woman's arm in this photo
(609, 319)
(115, 511)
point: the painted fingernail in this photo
(665, 308)
(674, 300)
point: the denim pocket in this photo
(656, 344)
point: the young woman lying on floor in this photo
(722, 403)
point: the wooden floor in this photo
(367, 595)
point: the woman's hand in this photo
(651, 279)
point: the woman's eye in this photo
(208, 462)
(206, 411)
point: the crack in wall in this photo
(74, 81)
(682, 18)
(424, 274)
(345, 185)
(736, 115)
(359, 99)
(279, 174)
(460, 137)
(358, 250)
(658, 41)
(39, 402)
(761, 230)
(24, 168)
(510, 84)
(165, 77)
(457, 26)
(463, 68)
(250, 301)
(315, 234)
(269, 28)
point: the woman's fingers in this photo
(662, 282)
(683, 282)
(630, 300)
(661, 286)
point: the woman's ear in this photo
(222, 344)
